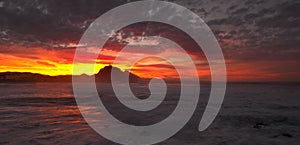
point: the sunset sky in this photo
(259, 38)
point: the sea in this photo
(251, 114)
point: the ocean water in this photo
(46, 113)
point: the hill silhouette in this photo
(104, 75)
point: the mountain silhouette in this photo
(103, 76)
(32, 77)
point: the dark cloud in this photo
(286, 16)
(240, 11)
(249, 27)
(254, 2)
(268, 31)
(53, 21)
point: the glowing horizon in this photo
(52, 63)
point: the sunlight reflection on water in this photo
(46, 113)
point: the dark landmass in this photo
(32, 77)
(104, 75)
